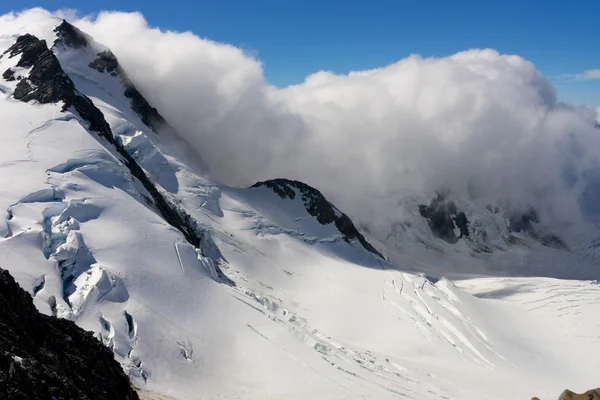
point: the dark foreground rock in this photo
(44, 357)
(317, 205)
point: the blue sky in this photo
(296, 38)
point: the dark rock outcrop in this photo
(317, 205)
(47, 83)
(9, 75)
(44, 357)
(29, 47)
(106, 61)
(71, 36)
(149, 115)
(443, 218)
(593, 394)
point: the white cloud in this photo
(477, 122)
(590, 74)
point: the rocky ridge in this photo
(317, 205)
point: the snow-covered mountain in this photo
(205, 291)
(442, 235)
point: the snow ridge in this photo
(47, 83)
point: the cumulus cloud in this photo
(484, 125)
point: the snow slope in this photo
(271, 303)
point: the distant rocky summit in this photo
(445, 219)
(319, 207)
(43, 357)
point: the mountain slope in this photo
(207, 291)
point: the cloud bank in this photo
(484, 125)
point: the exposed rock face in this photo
(106, 61)
(9, 75)
(147, 113)
(29, 47)
(449, 224)
(593, 394)
(48, 83)
(443, 218)
(317, 205)
(44, 357)
(71, 36)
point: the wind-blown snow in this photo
(310, 315)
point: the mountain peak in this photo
(48, 83)
(319, 207)
(71, 36)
